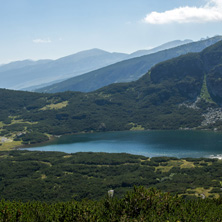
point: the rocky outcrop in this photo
(212, 116)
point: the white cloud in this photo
(210, 12)
(42, 40)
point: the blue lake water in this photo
(148, 143)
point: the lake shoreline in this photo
(55, 137)
(150, 143)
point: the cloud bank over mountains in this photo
(210, 12)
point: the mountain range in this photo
(181, 93)
(30, 75)
(127, 70)
(35, 73)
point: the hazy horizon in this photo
(51, 29)
(127, 53)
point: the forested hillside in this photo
(57, 176)
(138, 205)
(74, 187)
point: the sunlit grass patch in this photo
(22, 122)
(202, 192)
(204, 94)
(67, 156)
(16, 120)
(6, 146)
(187, 164)
(103, 95)
(68, 173)
(142, 160)
(168, 165)
(135, 127)
(3, 156)
(164, 169)
(43, 176)
(55, 106)
(1, 124)
(46, 163)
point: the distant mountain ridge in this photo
(39, 73)
(22, 64)
(167, 45)
(127, 70)
(30, 75)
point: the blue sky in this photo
(41, 29)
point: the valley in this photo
(180, 93)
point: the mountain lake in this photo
(147, 143)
